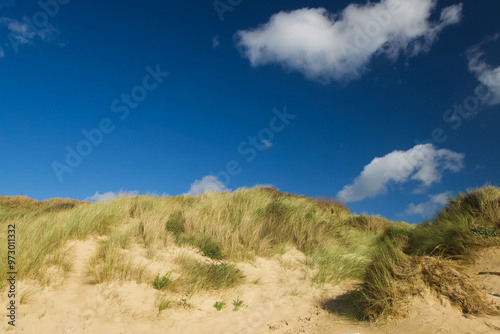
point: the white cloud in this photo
(422, 163)
(2, 53)
(20, 32)
(325, 46)
(488, 75)
(110, 196)
(215, 41)
(429, 208)
(206, 183)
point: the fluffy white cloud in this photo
(484, 72)
(325, 46)
(206, 183)
(423, 163)
(429, 208)
(110, 196)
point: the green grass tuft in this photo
(175, 224)
(210, 248)
(209, 276)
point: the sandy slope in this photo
(489, 261)
(282, 302)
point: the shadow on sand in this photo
(344, 306)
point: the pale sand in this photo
(282, 302)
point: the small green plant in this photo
(161, 282)
(485, 232)
(219, 305)
(238, 304)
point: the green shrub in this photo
(175, 224)
(210, 248)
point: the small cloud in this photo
(215, 41)
(429, 208)
(110, 196)
(420, 190)
(488, 75)
(327, 46)
(2, 53)
(422, 163)
(205, 184)
(267, 143)
(20, 33)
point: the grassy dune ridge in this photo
(391, 260)
(227, 227)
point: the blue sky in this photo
(391, 106)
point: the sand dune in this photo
(278, 292)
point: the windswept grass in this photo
(401, 265)
(19, 206)
(393, 260)
(109, 263)
(229, 227)
(381, 292)
(198, 276)
(454, 231)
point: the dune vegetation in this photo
(391, 260)
(433, 256)
(224, 227)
